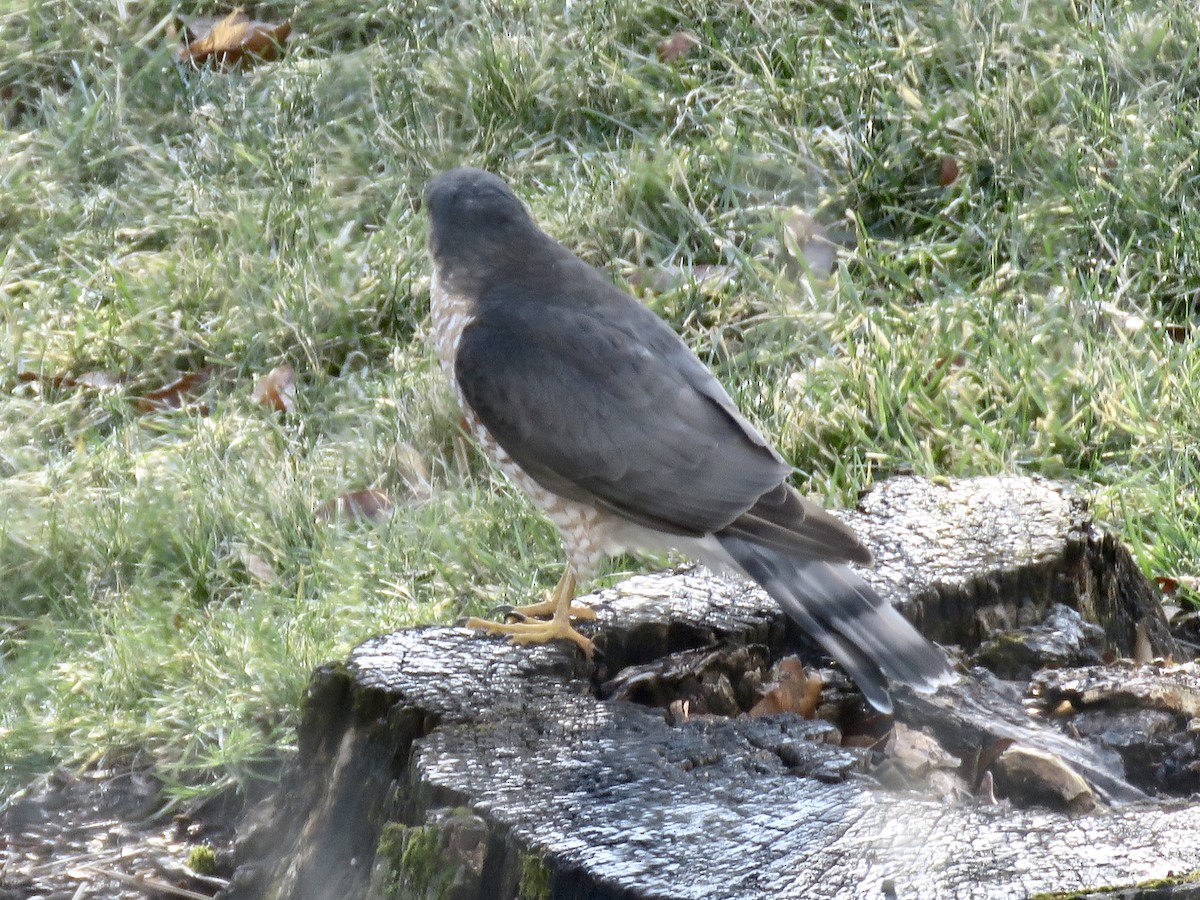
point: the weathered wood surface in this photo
(506, 776)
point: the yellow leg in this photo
(559, 625)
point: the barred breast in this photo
(586, 531)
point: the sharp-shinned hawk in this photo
(602, 414)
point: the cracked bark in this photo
(437, 762)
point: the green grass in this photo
(156, 220)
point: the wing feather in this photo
(603, 402)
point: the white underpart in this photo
(588, 534)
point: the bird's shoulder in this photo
(574, 312)
(558, 280)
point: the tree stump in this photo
(438, 762)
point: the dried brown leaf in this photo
(177, 393)
(677, 45)
(796, 691)
(277, 389)
(1173, 584)
(1177, 332)
(947, 171)
(369, 504)
(237, 40)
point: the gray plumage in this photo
(600, 402)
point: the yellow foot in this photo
(549, 607)
(536, 632)
(558, 606)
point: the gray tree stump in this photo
(437, 762)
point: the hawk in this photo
(616, 430)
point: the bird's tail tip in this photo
(873, 642)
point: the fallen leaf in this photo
(237, 40)
(369, 504)
(1178, 333)
(947, 171)
(796, 691)
(277, 389)
(175, 394)
(1171, 584)
(677, 45)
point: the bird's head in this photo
(476, 222)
